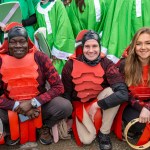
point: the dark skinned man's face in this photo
(18, 47)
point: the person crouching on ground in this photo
(136, 70)
(24, 72)
(92, 82)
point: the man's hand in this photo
(36, 37)
(33, 113)
(23, 107)
(2, 26)
(93, 110)
(144, 115)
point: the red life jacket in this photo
(20, 77)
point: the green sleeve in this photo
(30, 7)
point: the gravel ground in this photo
(71, 145)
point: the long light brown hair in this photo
(133, 66)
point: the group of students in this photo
(92, 87)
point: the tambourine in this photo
(132, 122)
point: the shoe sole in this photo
(14, 143)
(29, 146)
(45, 143)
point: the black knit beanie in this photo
(17, 31)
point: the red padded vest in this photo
(87, 80)
(20, 77)
(142, 91)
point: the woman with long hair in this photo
(136, 70)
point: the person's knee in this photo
(62, 106)
(105, 93)
(88, 140)
(67, 108)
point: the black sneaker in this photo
(131, 135)
(104, 141)
(45, 136)
(10, 142)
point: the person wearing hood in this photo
(93, 83)
(26, 104)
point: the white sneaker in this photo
(29, 145)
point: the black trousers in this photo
(52, 112)
(129, 114)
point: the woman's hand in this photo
(144, 115)
(92, 110)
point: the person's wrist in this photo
(24, 23)
(35, 103)
(16, 105)
(145, 108)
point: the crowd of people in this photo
(85, 80)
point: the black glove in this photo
(30, 21)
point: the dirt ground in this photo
(71, 145)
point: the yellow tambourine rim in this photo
(132, 122)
